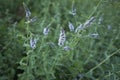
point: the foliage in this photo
(90, 53)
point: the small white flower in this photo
(100, 20)
(94, 35)
(27, 11)
(109, 27)
(91, 19)
(66, 48)
(62, 38)
(80, 27)
(71, 27)
(46, 31)
(33, 43)
(31, 20)
(73, 11)
(28, 14)
(89, 22)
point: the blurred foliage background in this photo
(89, 59)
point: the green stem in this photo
(104, 60)
(95, 9)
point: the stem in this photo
(104, 60)
(95, 9)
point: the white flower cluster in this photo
(33, 43)
(28, 14)
(27, 11)
(46, 31)
(81, 26)
(66, 48)
(62, 38)
(71, 27)
(73, 11)
(89, 22)
(62, 35)
(94, 35)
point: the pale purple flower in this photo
(27, 11)
(31, 20)
(94, 35)
(28, 14)
(46, 31)
(89, 22)
(71, 27)
(62, 38)
(80, 27)
(33, 43)
(73, 11)
(66, 48)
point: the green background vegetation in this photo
(88, 59)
